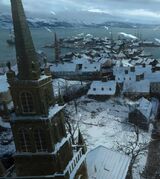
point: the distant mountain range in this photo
(6, 22)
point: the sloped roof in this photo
(65, 67)
(145, 107)
(103, 163)
(91, 67)
(142, 86)
(102, 88)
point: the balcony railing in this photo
(75, 161)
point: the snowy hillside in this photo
(6, 22)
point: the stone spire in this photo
(57, 49)
(27, 61)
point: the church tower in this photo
(43, 147)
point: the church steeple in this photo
(43, 147)
(27, 61)
(32, 92)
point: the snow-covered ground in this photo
(7, 146)
(101, 122)
(64, 85)
(105, 123)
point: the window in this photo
(132, 69)
(27, 102)
(40, 140)
(24, 140)
(110, 89)
(94, 89)
(102, 89)
(79, 66)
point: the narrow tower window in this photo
(24, 140)
(40, 140)
(27, 102)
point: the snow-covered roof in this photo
(121, 55)
(103, 163)
(53, 110)
(139, 69)
(153, 77)
(130, 36)
(91, 67)
(72, 67)
(65, 67)
(102, 88)
(145, 107)
(142, 86)
(3, 84)
(140, 60)
(84, 59)
(150, 60)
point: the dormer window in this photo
(27, 102)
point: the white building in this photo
(137, 88)
(100, 88)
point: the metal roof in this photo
(103, 163)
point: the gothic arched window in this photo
(27, 102)
(24, 140)
(40, 140)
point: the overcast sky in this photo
(129, 10)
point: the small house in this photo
(101, 89)
(136, 89)
(143, 113)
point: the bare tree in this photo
(134, 148)
(72, 125)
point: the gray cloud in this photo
(130, 9)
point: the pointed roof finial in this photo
(27, 60)
(8, 64)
